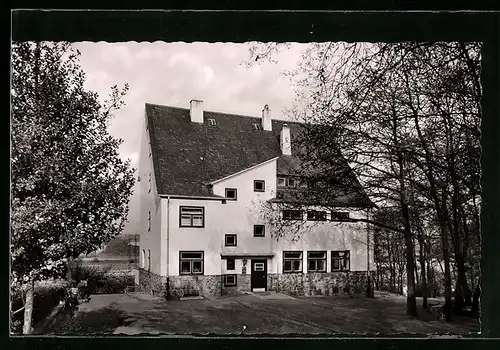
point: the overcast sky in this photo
(174, 73)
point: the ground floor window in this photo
(340, 260)
(191, 263)
(292, 261)
(229, 280)
(316, 261)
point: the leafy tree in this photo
(406, 118)
(70, 189)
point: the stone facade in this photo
(152, 283)
(242, 285)
(195, 285)
(322, 283)
(303, 284)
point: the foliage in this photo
(406, 118)
(70, 188)
(122, 246)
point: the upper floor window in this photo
(340, 260)
(339, 216)
(192, 217)
(290, 181)
(230, 240)
(259, 185)
(259, 230)
(315, 215)
(292, 215)
(149, 182)
(231, 193)
(191, 263)
(149, 221)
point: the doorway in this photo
(258, 280)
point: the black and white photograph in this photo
(162, 188)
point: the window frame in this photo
(212, 122)
(301, 259)
(263, 230)
(191, 260)
(191, 215)
(325, 259)
(149, 182)
(315, 215)
(233, 262)
(235, 194)
(291, 211)
(340, 258)
(149, 221)
(226, 236)
(335, 218)
(143, 258)
(257, 127)
(226, 284)
(278, 181)
(255, 182)
(149, 259)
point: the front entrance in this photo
(258, 281)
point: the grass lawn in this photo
(254, 314)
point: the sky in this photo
(172, 74)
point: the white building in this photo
(210, 187)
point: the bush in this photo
(110, 284)
(47, 296)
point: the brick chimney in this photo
(196, 111)
(266, 119)
(285, 141)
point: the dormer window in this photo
(212, 122)
(289, 181)
(257, 127)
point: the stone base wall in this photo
(313, 284)
(152, 283)
(298, 284)
(181, 286)
(242, 286)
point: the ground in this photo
(270, 313)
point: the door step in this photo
(258, 290)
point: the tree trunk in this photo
(28, 307)
(475, 300)
(423, 286)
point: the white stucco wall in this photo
(238, 217)
(151, 239)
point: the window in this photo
(315, 215)
(257, 127)
(285, 181)
(212, 122)
(259, 185)
(230, 264)
(149, 259)
(149, 221)
(292, 262)
(230, 240)
(149, 183)
(231, 193)
(292, 215)
(143, 258)
(229, 280)
(339, 216)
(191, 263)
(259, 230)
(340, 260)
(192, 217)
(281, 182)
(316, 261)
(258, 267)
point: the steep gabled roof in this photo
(188, 156)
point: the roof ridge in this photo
(224, 113)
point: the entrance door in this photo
(259, 275)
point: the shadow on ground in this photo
(251, 314)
